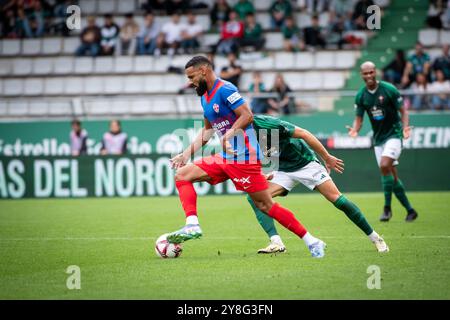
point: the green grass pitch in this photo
(112, 241)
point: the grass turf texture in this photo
(112, 241)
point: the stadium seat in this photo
(113, 85)
(103, 65)
(143, 64)
(120, 107)
(262, 5)
(63, 65)
(312, 81)
(42, 66)
(106, 6)
(126, 6)
(444, 37)
(33, 86)
(60, 108)
(428, 37)
(164, 106)
(17, 108)
(5, 67)
(333, 80)
(345, 59)
(94, 85)
(245, 81)
(141, 107)
(37, 108)
(11, 47)
(3, 106)
(22, 66)
(274, 40)
(53, 86)
(133, 84)
(73, 85)
(12, 87)
(70, 45)
(123, 64)
(324, 60)
(304, 60)
(84, 65)
(294, 80)
(153, 84)
(51, 46)
(31, 46)
(264, 20)
(284, 61)
(265, 63)
(171, 83)
(268, 79)
(89, 6)
(210, 39)
(161, 64)
(303, 20)
(98, 107)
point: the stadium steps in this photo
(403, 19)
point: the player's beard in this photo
(202, 88)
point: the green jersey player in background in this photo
(297, 163)
(384, 105)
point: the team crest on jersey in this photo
(381, 98)
(216, 107)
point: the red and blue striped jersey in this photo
(218, 107)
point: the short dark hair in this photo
(198, 61)
(76, 122)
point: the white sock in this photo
(276, 239)
(191, 220)
(373, 236)
(309, 239)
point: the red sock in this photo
(287, 219)
(188, 197)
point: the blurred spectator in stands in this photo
(393, 72)
(243, 8)
(191, 34)
(33, 20)
(114, 141)
(420, 99)
(258, 105)
(180, 6)
(110, 33)
(312, 35)
(292, 36)
(443, 62)
(436, 9)
(360, 14)
(128, 36)
(148, 37)
(337, 26)
(11, 26)
(446, 16)
(253, 33)
(78, 139)
(155, 5)
(58, 25)
(231, 34)
(171, 34)
(219, 13)
(282, 103)
(440, 100)
(341, 7)
(418, 62)
(233, 71)
(90, 39)
(313, 6)
(279, 10)
(166, 6)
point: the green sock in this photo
(264, 220)
(399, 191)
(388, 185)
(353, 213)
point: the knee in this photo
(264, 206)
(181, 176)
(385, 168)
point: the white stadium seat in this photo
(17, 108)
(98, 107)
(274, 40)
(22, 66)
(53, 86)
(31, 46)
(106, 6)
(284, 61)
(161, 64)
(94, 85)
(88, 6)
(324, 60)
(119, 107)
(42, 66)
(143, 64)
(103, 65)
(73, 85)
(11, 47)
(264, 20)
(141, 106)
(333, 80)
(113, 85)
(264, 63)
(63, 65)
(152, 84)
(33, 86)
(345, 59)
(84, 65)
(12, 87)
(38, 108)
(3, 107)
(133, 84)
(428, 37)
(164, 105)
(262, 4)
(123, 65)
(294, 80)
(126, 6)
(51, 46)
(5, 67)
(312, 81)
(70, 45)
(304, 60)
(60, 108)
(444, 37)
(171, 83)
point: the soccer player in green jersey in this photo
(390, 124)
(288, 146)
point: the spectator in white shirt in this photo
(114, 141)
(148, 38)
(191, 33)
(109, 33)
(128, 35)
(171, 34)
(419, 99)
(440, 90)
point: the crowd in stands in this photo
(438, 15)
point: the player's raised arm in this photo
(357, 124)
(202, 138)
(331, 162)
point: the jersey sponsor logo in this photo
(377, 113)
(221, 125)
(242, 180)
(234, 97)
(216, 107)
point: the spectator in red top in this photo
(231, 33)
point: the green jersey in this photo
(293, 154)
(382, 108)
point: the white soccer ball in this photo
(164, 249)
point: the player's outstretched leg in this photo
(329, 190)
(286, 218)
(188, 197)
(267, 223)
